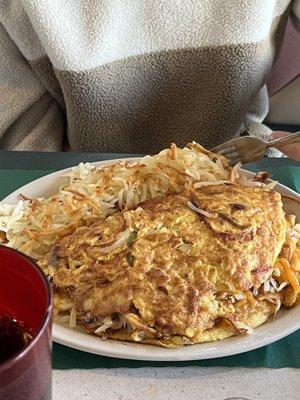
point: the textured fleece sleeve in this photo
(295, 14)
(30, 119)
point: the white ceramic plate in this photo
(285, 322)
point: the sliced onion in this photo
(198, 210)
(72, 321)
(122, 238)
(250, 183)
(297, 228)
(292, 233)
(282, 286)
(185, 247)
(273, 299)
(267, 286)
(234, 175)
(107, 323)
(275, 285)
(138, 336)
(62, 319)
(211, 183)
(270, 185)
(240, 327)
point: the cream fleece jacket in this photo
(134, 75)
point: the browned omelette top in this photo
(176, 264)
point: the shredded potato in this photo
(88, 193)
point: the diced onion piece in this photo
(239, 296)
(138, 336)
(198, 210)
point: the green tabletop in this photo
(18, 168)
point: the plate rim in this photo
(144, 352)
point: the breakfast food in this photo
(174, 249)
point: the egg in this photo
(179, 269)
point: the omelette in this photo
(186, 268)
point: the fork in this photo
(248, 148)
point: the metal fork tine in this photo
(235, 157)
(227, 150)
(231, 154)
(222, 147)
(244, 149)
(234, 161)
(230, 151)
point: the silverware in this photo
(248, 148)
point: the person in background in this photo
(134, 75)
(284, 89)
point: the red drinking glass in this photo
(26, 295)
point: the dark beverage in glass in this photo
(25, 329)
